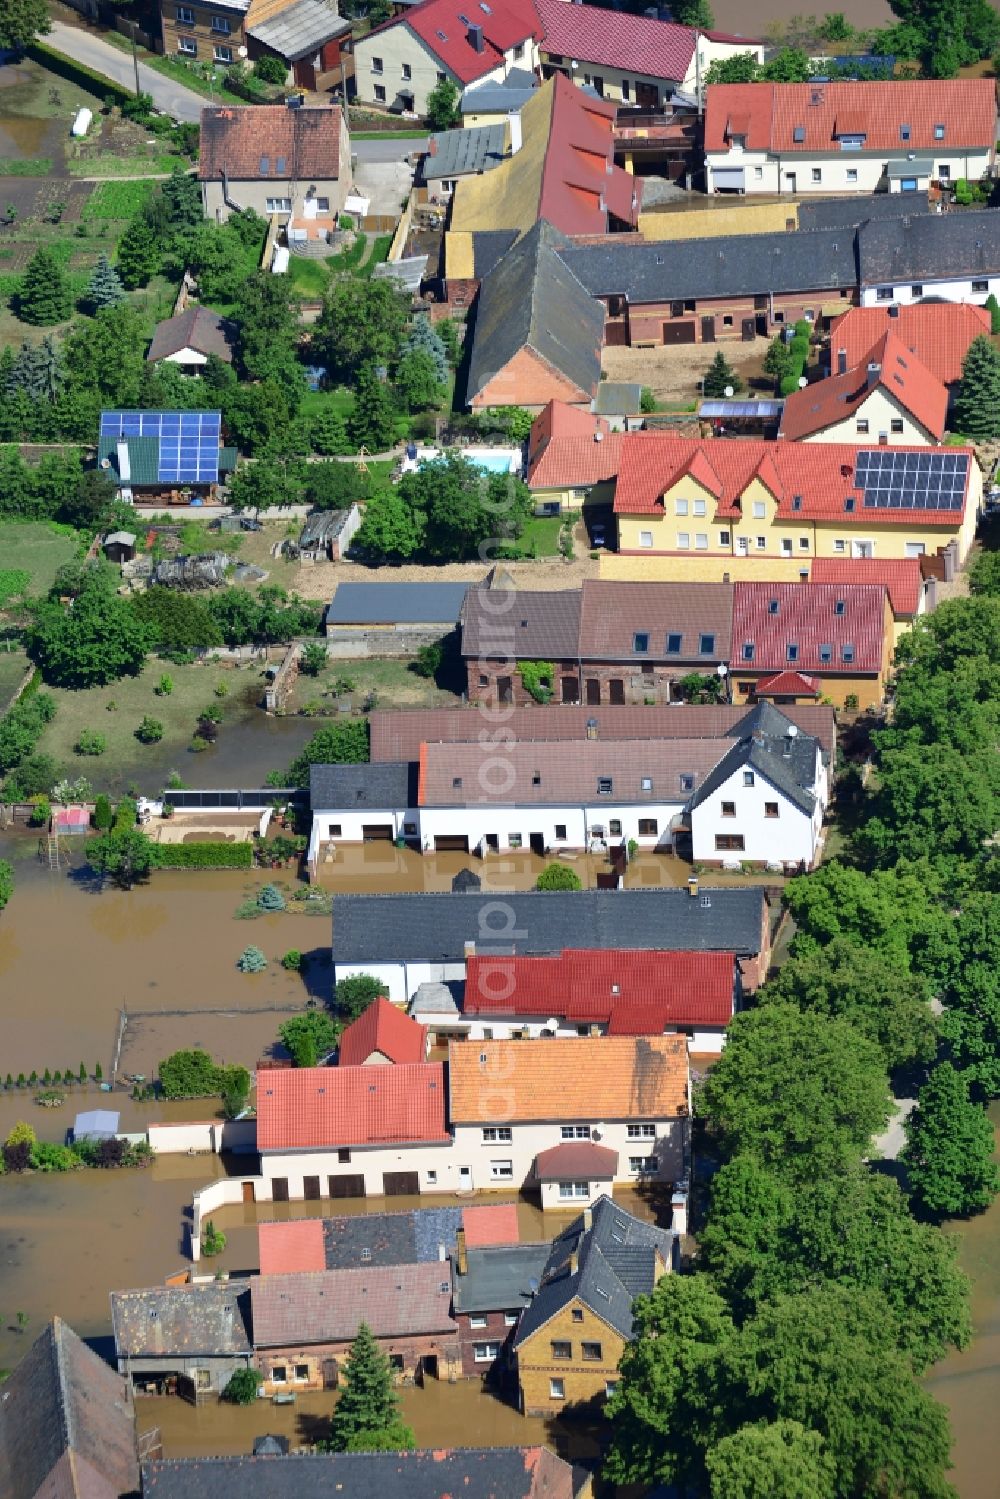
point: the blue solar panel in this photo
(892, 480)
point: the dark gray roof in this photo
(380, 1239)
(434, 928)
(500, 98)
(786, 759)
(474, 1473)
(618, 398)
(196, 328)
(909, 166)
(929, 248)
(300, 28)
(544, 624)
(532, 299)
(338, 788)
(489, 246)
(741, 265)
(212, 1320)
(833, 213)
(458, 153)
(323, 526)
(396, 603)
(499, 1278)
(61, 1399)
(615, 1262)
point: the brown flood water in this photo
(752, 20)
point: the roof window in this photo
(799, 134)
(536, 779)
(904, 132)
(847, 654)
(646, 783)
(687, 782)
(640, 642)
(265, 165)
(773, 606)
(849, 503)
(826, 654)
(939, 132)
(456, 781)
(840, 606)
(674, 643)
(464, 19)
(748, 650)
(604, 785)
(792, 651)
(706, 645)
(796, 502)
(442, 35)
(280, 165)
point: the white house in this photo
(892, 398)
(953, 257)
(800, 138)
(188, 339)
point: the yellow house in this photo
(573, 1332)
(715, 509)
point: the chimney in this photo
(841, 361)
(574, 1263)
(461, 1253)
(692, 884)
(124, 466)
(803, 575)
(514, 126)
(874, 371)
(475, 37)
(930, 594)
(588, 1220)
(442, 1251)
(470, 949)
(679, 1210)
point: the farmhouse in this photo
(275, 159)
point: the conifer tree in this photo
(423, 339)
(105, 286)
(372, 423)
(367, 1415)
(720, 376)
(138, 255)
(977, 409)
(44, 297)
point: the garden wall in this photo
(403, 641)
(211, 1135)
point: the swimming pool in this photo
(489, 460)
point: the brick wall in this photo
(323, 1363)
(631, 686)
(495, 1331)
(529, 382)
(584, 1380)
(644, 323)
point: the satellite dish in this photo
(105, 462)
(803, 382)
(552, 1023)
(792, 731)
(729, 392)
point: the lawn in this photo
(133, 699)
(312, 277)
(13, 665)
(38, 548)
(154, 161)
(178, 71)
(392, 681)
(117, 200)
(540, 537)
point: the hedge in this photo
(75, 72)
(202, 855)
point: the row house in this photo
(953, 257)
(349, 1132)
(937, 333)
(892, 398)
(409, 940)
(595, 794)
(491, 1287)
(852, 137)
(911, 595)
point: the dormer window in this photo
(738, 142)
(640, 642)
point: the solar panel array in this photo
(931, 480)
(189, 441)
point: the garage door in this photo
(729, 179)
(452, 843)
(679, 333)
(376, 832)
(347, 1186)
(400, 1184)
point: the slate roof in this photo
(382, 1028)
(617, 397)
(434, 928)
(900, 375)
(565, 774)
(901, 577)
(785, 759)
(589, 985)
(269, 142)
(380, 1239)
(210, 1320)
(932, 248)
(397, 734)
(807, 617)
(396, 603)
(739, 265)
(66, 1423)
(498, 1279)
(939, 333)
(455, 153)
(320, 1306)
(616, 1261)
(489, 246)
(533, 300)
(805, 118)
(576, 1160)
(499, 98)
(538, 625)
(298, 29)
(832, 213)
(336, 788)
(475, 1473)
(569, 1078)
(305, 1108)
(197, 328)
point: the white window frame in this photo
(557, 1389)
(574, 1131)
(278, 205)
(187, 46)
(485, 1353)
(698, 507)
(222, 25)
(510, 1319)
(643, 1165)
(683, 541)
(222, 54)
(378, 66)
(184, 15)
(680, 507)
(701, 541)
(497, 1134)
(759, 510)
(502, 1171)
(478, 1320)
(640, 1131)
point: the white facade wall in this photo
(401, 979)
(578, 1195)
(436, 1164)
(489, 1160)
(966, 289)
(352, 824)
(791, 837)
(879, 409)
(399, 48)
(839, 171)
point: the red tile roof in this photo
(309, 1108)
(901, 578)
(383, 1028)
(900, 374)
(788, 684)
(286, 1247)
(580, 184)
(597, 986)
(565, 440)
(807, 617)
(939, 333)
(579, 1161)
(265, 142)
(820, 475)
(438, 24)
(325, 1306)
(771, 114)
(658, 49)
(495, 1224)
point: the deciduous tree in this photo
(372, 422)
(949, 1148)
(21, 21)
(308, 1036)
(353, 995)
(125, 856)
(771, 1460)
(442, 105)
(98, 640)
(341, 743)
(391, 529)
(361, 323)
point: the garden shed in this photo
(96, 1124)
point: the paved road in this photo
(387, 150)
(94, 52)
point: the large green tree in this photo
(442, 105)
(124, 856)
(104, 289)
(943, 35)
(96, 641)
(948, 802)
(354, 994)
(391, 529)
(366, 1418)
(265, 312)
(178, 621)
(887, 1003)
(362, 322)
(977, 408)
(771, 1460)
(139, 254)
(21, 21)
(970, 991)
(832, 1098)
(464, 509)
(949, 1153)
(44, 296)
(372, 422)
(340, 743)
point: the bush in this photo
(537, 678)
(47, 1157)
(558, 877)
(270, 898)
(103, 815)
(270, 69)
(193, 1074)
(647, 400)
(41, 812)
(90, 742)
(202, 856)
(313, 659)
(251, 960)
(164, 686)
(428, 660)
(150, 731)
(213, 1241)
(243, 1383)
(292, 960)
(21, 728)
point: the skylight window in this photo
(792, 652)
(799, 134)
(748, 650)
(840, 607)
(674, 645)
(773, 606)
(280, 165)
(939, 132)
(796, 502)
(442, 36)
(265, 165)
(640, 642)
(604, 785)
